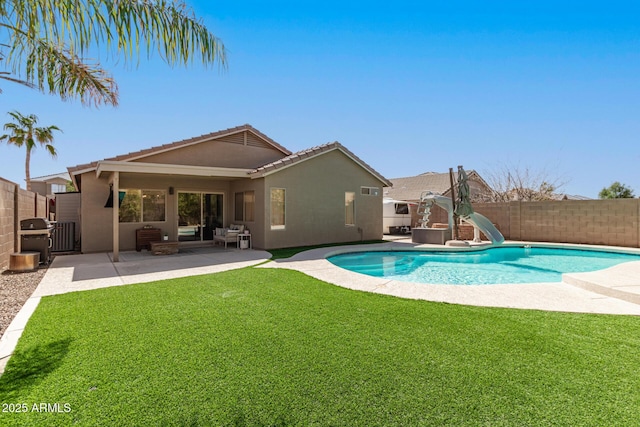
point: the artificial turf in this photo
(289, 252)
(272, 347)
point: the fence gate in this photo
(64, 238)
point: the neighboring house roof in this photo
(179, 144)
(309, 153)
(410, 188)
(564, 196)
(58, 178)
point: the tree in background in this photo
(510, 183)
(44, 43)
(23, 132)
(616, 191)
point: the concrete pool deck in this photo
(615, 290)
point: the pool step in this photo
(619, 282)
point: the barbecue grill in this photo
(36, 235)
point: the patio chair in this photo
(228, 235)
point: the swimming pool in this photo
(513, 264)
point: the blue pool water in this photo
(490, 266)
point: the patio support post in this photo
(116, 216)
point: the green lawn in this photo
(262, 347)
(289, 252)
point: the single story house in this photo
(238, 176)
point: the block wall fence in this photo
(16, 204)
(595, 222)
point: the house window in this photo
(153, 205)
(369, 191)
(58, 188)
(143, 206)
(245, 206)
(278, 199)
(249, 205)
(350, 208)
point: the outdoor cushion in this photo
(226, 236)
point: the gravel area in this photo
(15, 290)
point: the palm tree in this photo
(47, 42)
(23, 132)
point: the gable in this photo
(304, 156)
(241, 150)
(242, 147)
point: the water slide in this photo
(479, 221)
(483, 224)
(443, 202)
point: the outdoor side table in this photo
(244, 241)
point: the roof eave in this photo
(164, 169)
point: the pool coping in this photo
(615, 290)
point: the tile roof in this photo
(312, 152)
(184, 142)
(289, 159)
(410, 188)
(62, 175)
(564, 196)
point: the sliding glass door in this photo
(198, 215)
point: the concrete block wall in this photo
(29, 206)
(498, 213)
(7, 190)
(595, 222)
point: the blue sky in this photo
(409, 87)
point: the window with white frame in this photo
(349, 208)
(278, 211)
(58, 188)
(143, 206)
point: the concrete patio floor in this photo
(612, 291)
(70, 273)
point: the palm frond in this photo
(57, 70)
(169, 27)
(48, 40)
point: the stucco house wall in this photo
(315, 203)
(227, 152)
(95, 218)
